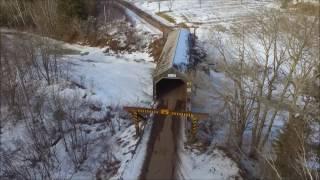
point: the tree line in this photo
(62, 19)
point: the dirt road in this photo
(147, 17)
(163, 156)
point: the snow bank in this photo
(214, 165)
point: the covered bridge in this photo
(173, 62)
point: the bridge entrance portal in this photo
(165, 85)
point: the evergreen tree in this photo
(288, 148)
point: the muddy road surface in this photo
(161, 165)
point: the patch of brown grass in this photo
(309, 9)
(166, 16)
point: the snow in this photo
(213, 165)
(123, 79)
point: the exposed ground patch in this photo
(166, 17)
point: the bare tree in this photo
(239, 98)
(299, 41)
(270, 65)
(76, 142)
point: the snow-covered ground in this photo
(117, 80)
(102, 81)
(209, 164)
(114, 79)
(213, 165)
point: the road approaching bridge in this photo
(172, 90)
(163, 156)
(165, 29)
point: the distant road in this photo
(147, 17)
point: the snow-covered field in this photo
(208, 16)
(199, 12)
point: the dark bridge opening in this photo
(165, 86)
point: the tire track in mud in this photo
(161, 159)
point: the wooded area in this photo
(48, 17)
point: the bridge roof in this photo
(175, 53)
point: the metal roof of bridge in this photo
(175, 54)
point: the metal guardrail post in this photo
(194, 129)
(136, 123)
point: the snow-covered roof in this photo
(175, 53)
(181, 56)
